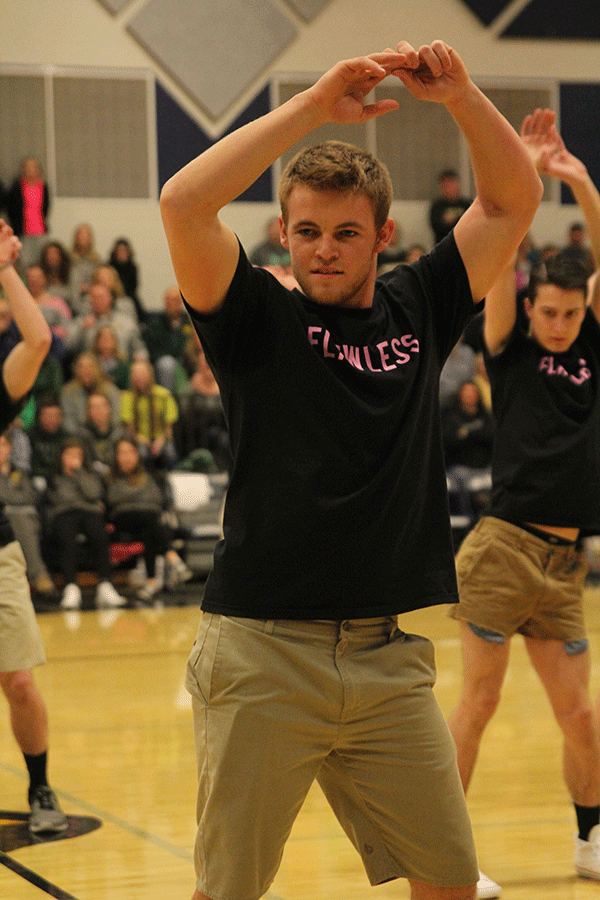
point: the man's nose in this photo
(327, 248)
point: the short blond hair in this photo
(337, 166)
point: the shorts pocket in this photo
(475, 549)
(200, 663)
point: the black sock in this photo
(36, 766)
(587, 817)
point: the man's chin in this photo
(321, 294)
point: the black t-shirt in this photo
(546, 461)
(9, 409)
(337, 503)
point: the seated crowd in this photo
(123, 397)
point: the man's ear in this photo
(385, 235)
(527, 306)
(283, 235)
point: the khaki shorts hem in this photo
(21, 646)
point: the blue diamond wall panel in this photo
(487, 10)
(556, 19)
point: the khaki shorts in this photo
(278, 704)
(21, 644)
(511, 581)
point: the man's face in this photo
(450, 188)
(577, 237)
(86, 371)
(333, 245)
(50, 418)
(556, 316)
(72, 459)
(127, 457)
(101, 299)
(99, 411)
(36, 280)
(140, 376)
(31, 169)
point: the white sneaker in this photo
(487, 888)
(137, 576)
(106, 595)
(71, 598)
(151, 587)
(587, 855)
(177, 573)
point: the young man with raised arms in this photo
(519, 570)
(21, 647)
(336, 517)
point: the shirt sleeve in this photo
(227, 332)
(9, 408)
(439, 279)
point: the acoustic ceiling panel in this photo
(214, 51)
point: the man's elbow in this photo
(177, 207)
(39, 349)
(521, 207)
(167, 200)
(535, 195)
(178, 193)
(528, 199)
(43, 343)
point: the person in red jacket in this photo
(28, 204)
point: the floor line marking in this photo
(33, 878)
(105, 816)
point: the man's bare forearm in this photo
(588, 199)
(505, 178)
(25, 311)
(22, 364)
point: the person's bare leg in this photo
(566, 681)
(484, 668)
(28, 714)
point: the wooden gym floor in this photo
(122, 762)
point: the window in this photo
(90, 130)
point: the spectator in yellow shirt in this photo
(149, 410)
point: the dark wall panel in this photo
(577, 19)
(180, 139)
(486, 10)
(580, 126)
